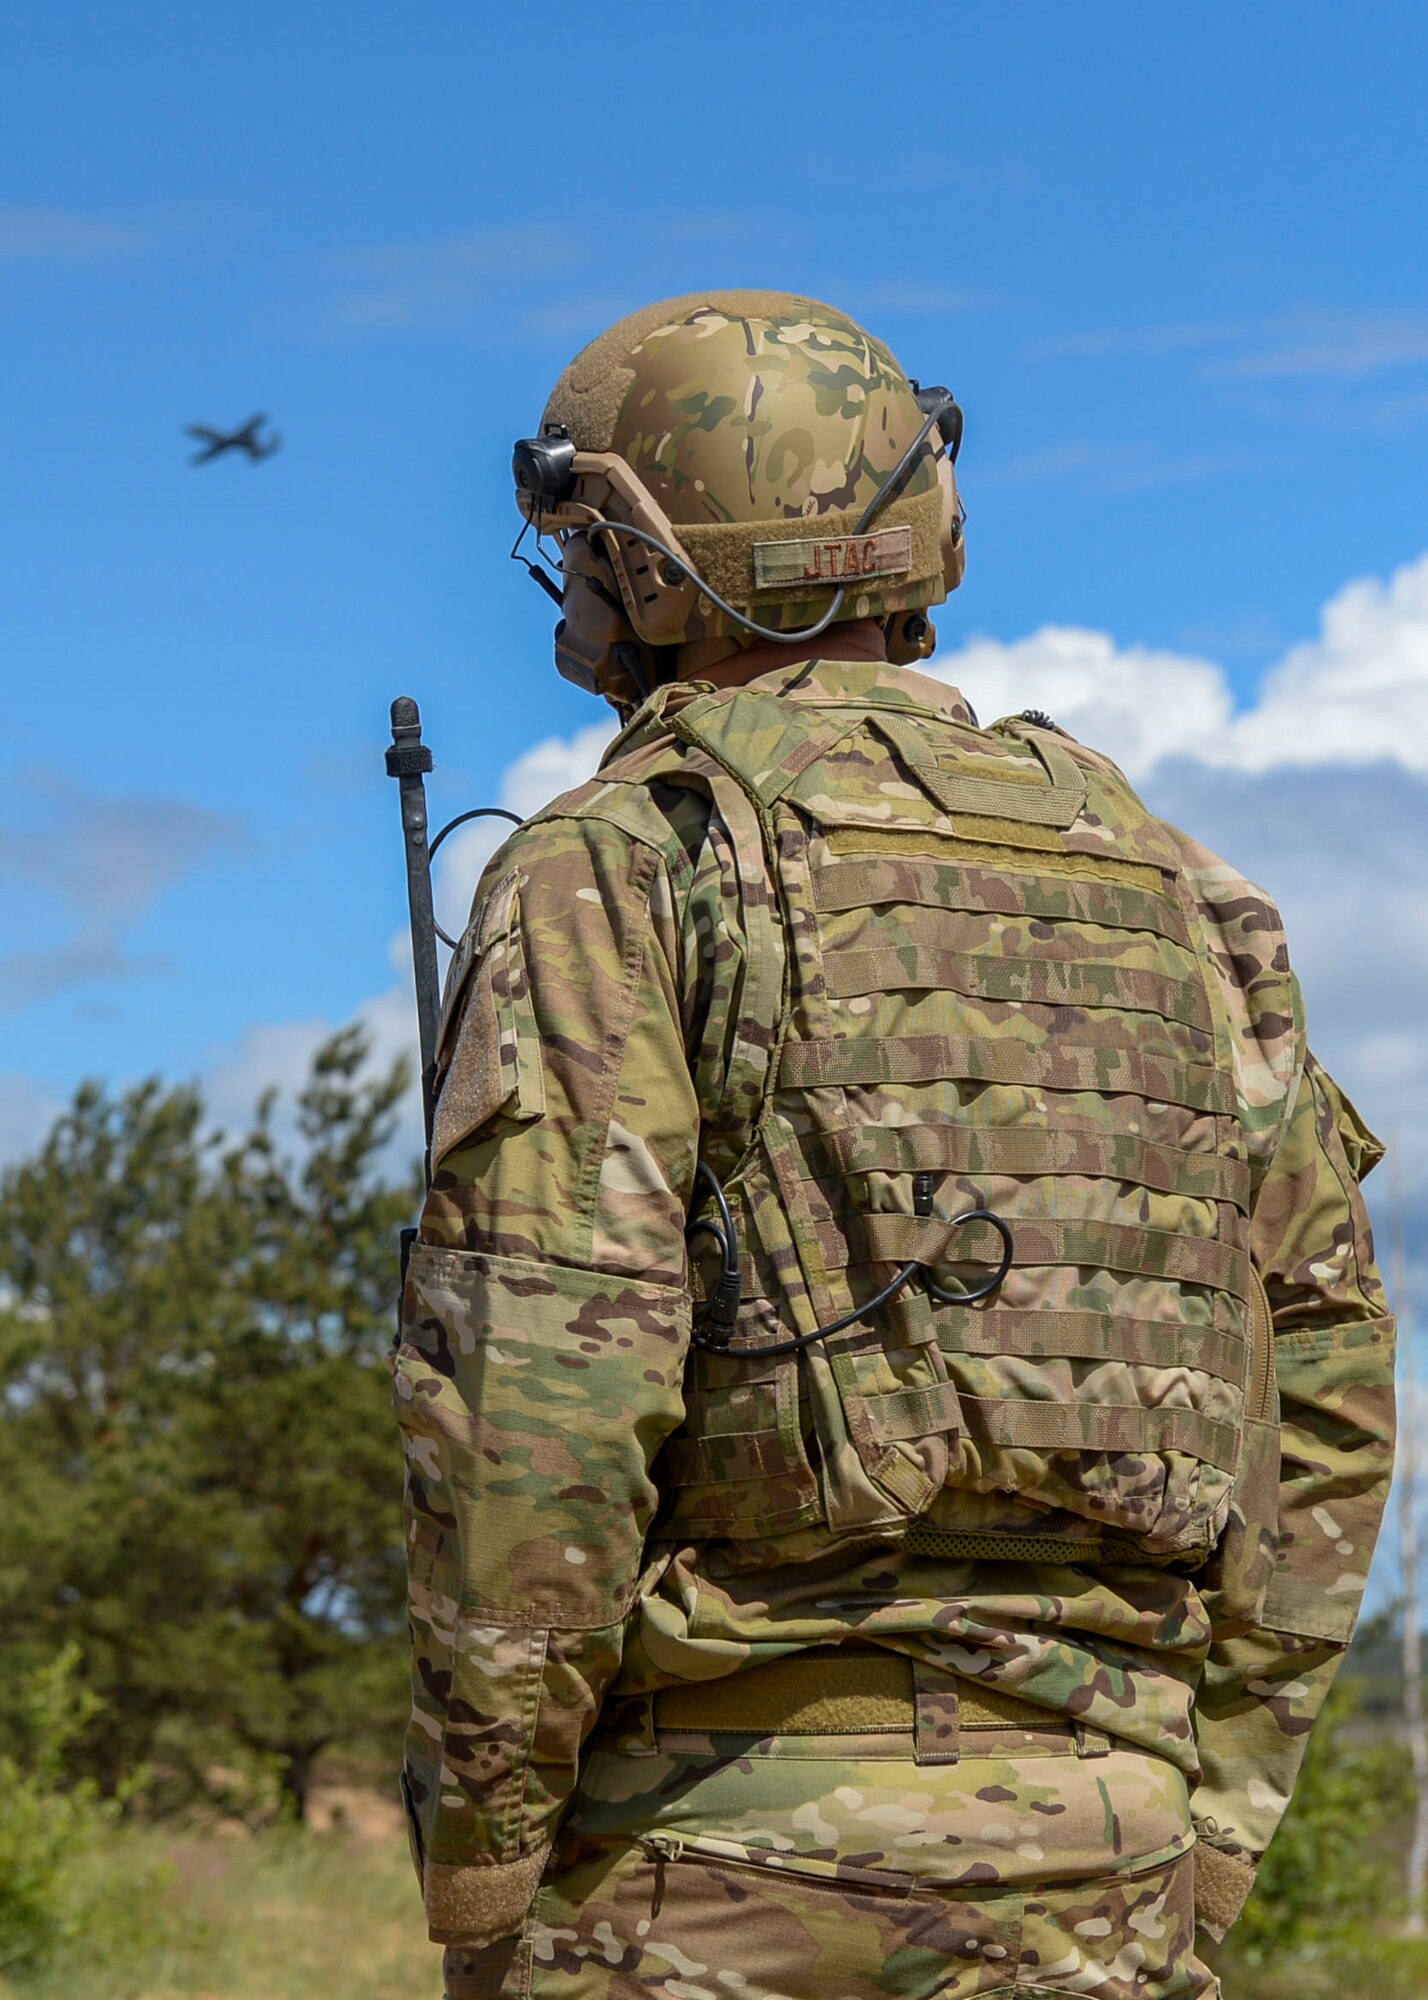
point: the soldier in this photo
(896, 1391)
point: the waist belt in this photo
(833, 1691)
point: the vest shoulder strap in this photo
(621, 796)
(764, 741)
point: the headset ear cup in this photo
(909, 636)
(595, 644)
(954, 545)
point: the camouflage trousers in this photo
(849, 1867)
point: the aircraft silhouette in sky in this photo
(246, 439)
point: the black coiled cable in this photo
(716, 1317)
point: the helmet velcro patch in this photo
(833, 559)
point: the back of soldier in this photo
(996, 998)
(906, 1591)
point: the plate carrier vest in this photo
(971, 955)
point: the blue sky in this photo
(1171, 263)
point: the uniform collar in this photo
(841, 681)
(818, 683)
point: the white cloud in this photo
(1348, 866)
(273, 1055)
(92, 957)
(1355, 694)
(556, 765)
(1136, 703)
(1347, 345)
(107, 859)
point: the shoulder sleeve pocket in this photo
(488, 1056)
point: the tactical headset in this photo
(630, 593)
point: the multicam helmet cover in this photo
(765, 412)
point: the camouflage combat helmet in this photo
(730, 465)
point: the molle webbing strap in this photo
(1013, 848)
(788, 1234)
(1031, 1152)
(1057, 804)
(863, 882)
(1100, 1246)
(916, 1412)
(1045, 982)
(938, 1729)
(1041, 1333)
(861, 1061)
(804, 943)
(725, 1455)
(1131, 1427)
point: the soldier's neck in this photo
(854, 639)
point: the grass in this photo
(1361, 1966)
(288, 1915)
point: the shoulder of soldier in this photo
(1224, 896)
(594, 842)
(619, 811)
(1228, 901)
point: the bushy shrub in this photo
(46, 1825)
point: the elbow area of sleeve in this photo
(531, 1396)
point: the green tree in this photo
(200, 1470)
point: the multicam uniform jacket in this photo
(878, 967)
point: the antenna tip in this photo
(405, 713)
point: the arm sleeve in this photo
(545, 1323)
(1333, 1357)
